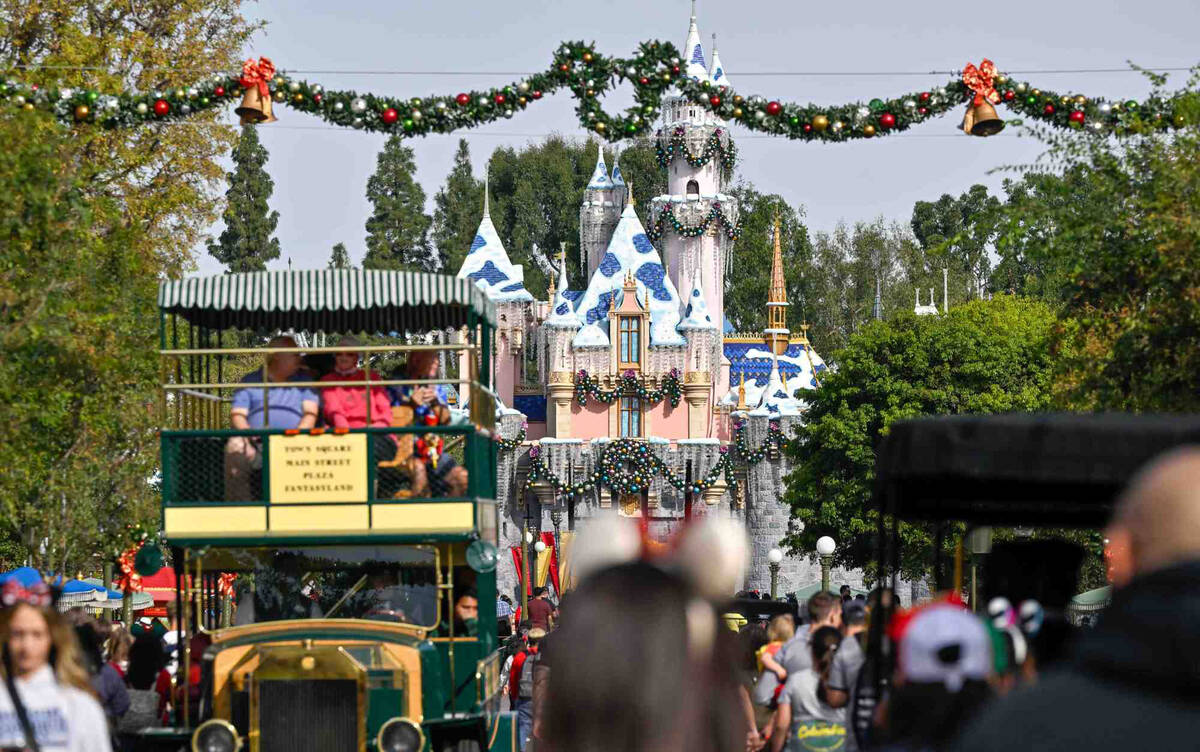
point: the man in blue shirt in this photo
(283, 407)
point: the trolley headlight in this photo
(216, 735)
(400, 735)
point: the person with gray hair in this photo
(1133, 681)
(273, 407)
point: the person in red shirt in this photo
(520, 685)
(541, 611)
(346, 406)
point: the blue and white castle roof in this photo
(562, 315)
(630, 251)
(695, 311)
(488, 266)
(693, 52)
(716, 71)
(776, 399)
(799, 364)
(600, 178)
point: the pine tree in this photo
(246, 244)
(457, 209)
(340, 258)
(398, 228)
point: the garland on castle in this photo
(714, 147)
(587, 386)
(627, 466)
(732, 228)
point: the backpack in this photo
(143, 711)
(525, 687)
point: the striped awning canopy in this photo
(329, 300)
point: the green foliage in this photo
(458, 207)
(398, 228)
(1113, 239)
(980, 358)
(77, 356)
(746, 291)
(246, 244)
(954, 234)
(339, 258)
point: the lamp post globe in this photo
(825, 549)
(774, 559)
(540, 546)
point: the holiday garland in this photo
(627, 466)
(507, 445)
(587, 386)
(665, 149)
(654, 69)
(733, 228)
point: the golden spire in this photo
(778, 285)
(629, 192)
(741, 403)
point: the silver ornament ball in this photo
(1105, 108)
(141, 108)
(358, 105)
(185, 109)
(523, 87)
(317, 88)
(910, 104)
(293, 86)
(483, 101)
(193, 92)
(416, 115)
(338, 106)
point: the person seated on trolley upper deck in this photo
(444, 475)
(285, 407)
(346, 407)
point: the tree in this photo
(398, 228)
(246, 244)
(746, 291)
(457, 210)
(340, 258)
(987, 356)
(1114, 240)
(78, 335)
(955, 234)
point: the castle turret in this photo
(776, 335)
(599, 212)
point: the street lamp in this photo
(540, 546)
(774, 559)
(825, 549)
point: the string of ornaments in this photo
(628, 466)
(663, 215)
(717, 145)
(588, 387)
(654, 69)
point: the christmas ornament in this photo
(256, 101)
(82, 111)
(981, 118)
(887, 120)
(161, 107)
(820, 123)
(358, 105)
(389, 115)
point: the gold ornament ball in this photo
(587, 57)
(521, 101)
(82, 111)
(1080, 100)
(600, 127)
(591, 92)
(737, 112)
(1036, 92)
(297, 97)
(279, 96)
(737, 99)
(1179, 121)
(820, 123)
(28, 106)
(1001, 79)
(869, 130)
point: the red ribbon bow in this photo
(258, 74)
(128, 578)
(979, 80)
(225, 583)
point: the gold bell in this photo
(255, 108)
(981, 120)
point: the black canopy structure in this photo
(1056, 470)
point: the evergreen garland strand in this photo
(676, 145)
(656, 230)
(587, 386)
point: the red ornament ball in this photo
(774, 108)
(675, 69)
(161, 107)
(564, 67)
(1048, 109)
(887, 120)
(317, 98)
(808, 127)
(390, 115)
(714, 101)
(463, 99)
(537, 94)
(219, 91)
(1010, 95)
(924, 96)
(923, 110)
(498, 99)
(1077, 116)
(643, 81)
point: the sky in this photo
(321, 171)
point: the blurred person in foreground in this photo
(803, 715)
(824, 610)
(46, 699)
(658, 672)
(942, 678)
(1133, 681)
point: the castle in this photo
(602, 361)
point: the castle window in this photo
(630, 342)
(693, 188)
(631, 417)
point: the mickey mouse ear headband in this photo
(37, 594)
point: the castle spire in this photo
(776, 334)
(693, 51)
(618, 180)
(600, 177)
(487, 168)
(877, 311)
(716, 71)
(741, 403)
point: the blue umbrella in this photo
(78, 592)
(27, 576)
(114, 598)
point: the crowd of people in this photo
(80, 684)
(414, 462)
(646, 663)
